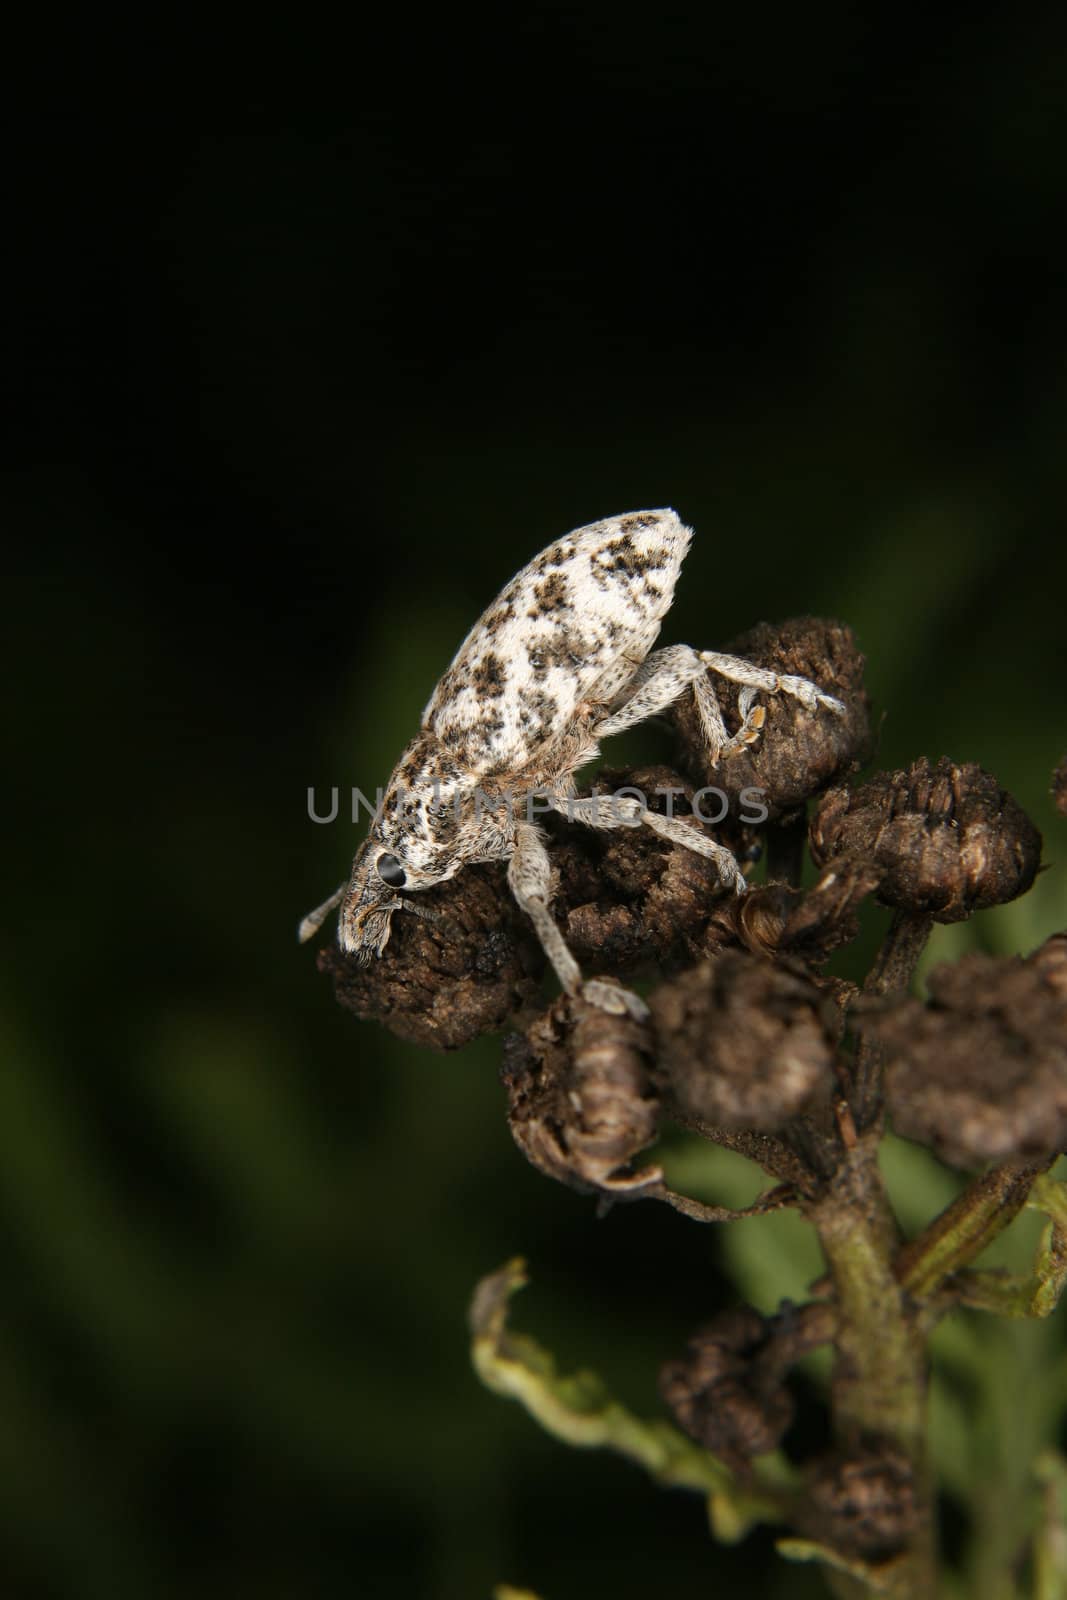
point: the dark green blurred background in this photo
(314, 344)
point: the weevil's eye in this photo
(391, 872)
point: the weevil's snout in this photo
(364, 923)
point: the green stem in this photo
(880, 1371)
(963, 1230)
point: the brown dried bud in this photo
(980, 1072)
(724, 1395)
(810, 924)
(444, 983)
(744, 1044)
(628, 899)
(1059, 786)
(948, 839)
(864, 1501)
(1050, 960)
(799, 752)
(582, 1102)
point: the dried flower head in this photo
(744, 1043)
(724, 1394)
(979, 1072)
(799, 753)
(809, 924)
(581, 1099)
(864, 1500)
(448, 981)
(947, 838)
(629, 899)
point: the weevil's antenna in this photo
(314, 920)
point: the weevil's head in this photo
(381, 880)
(413, 844)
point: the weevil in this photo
(561, 660)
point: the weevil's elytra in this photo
(558, 662)
(548, 639)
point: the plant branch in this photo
(891, 974)
(963, 1230)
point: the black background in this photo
(313, 340)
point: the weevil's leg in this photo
(426, 913)
(626, 811)
(663, 679)
(719, 742)
(659, 681)
(530, 881)
(314, 920)
(737, 670)
(679, 832)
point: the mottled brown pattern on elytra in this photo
(622, 557)
(551, 594)
(538, 708)
(555, 556)
(641, 520)
(489, 676)
(478, 737)
(564, 650)
(499, 615)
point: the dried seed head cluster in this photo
(801, 752)
(745, 1043)
(728, 1393)
(447, 982)
(863, 1500)
(979, 1071)
(744, 1037)
(947, 838)
(582, 1102)
(629, 901)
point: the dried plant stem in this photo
(772, 1154)
(891, 974)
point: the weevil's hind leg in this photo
(624, 811)
(659, 681)
(666, 676)
(314, 920)
(530, 881)
(737, 670)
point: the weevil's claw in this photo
(752, 719)
(614, 998)
(809, 694)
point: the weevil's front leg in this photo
(530, 881)
(626, 811)
(661, 680)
